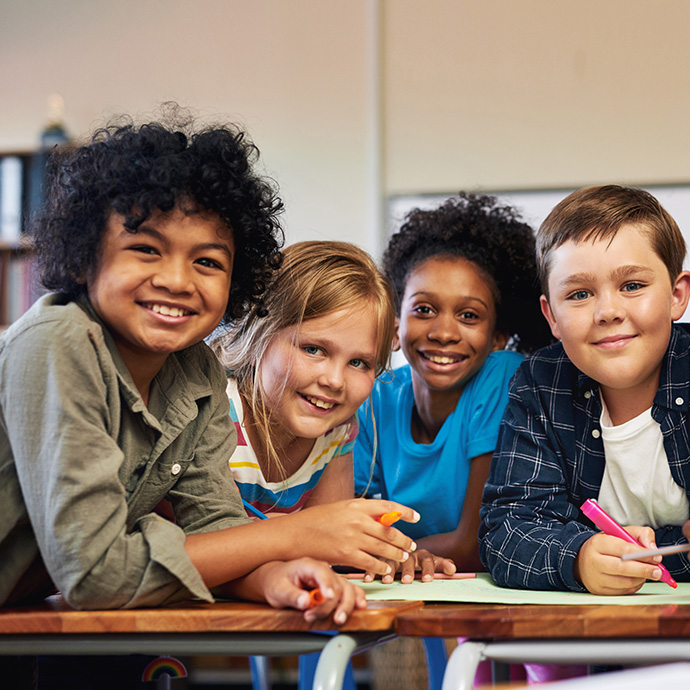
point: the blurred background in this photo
(358, 106)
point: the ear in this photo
(396, 337)
(548, 315)
(500, 341)
(680, 295)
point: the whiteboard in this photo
(535, 205)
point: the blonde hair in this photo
(316, 278)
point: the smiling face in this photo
(611, 303)
(315, 377)
(447, 325)
(164, 287)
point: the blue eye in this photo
(579, 295)
(360, 364)
(312, 349)
(632, 287)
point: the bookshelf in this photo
(21, 178)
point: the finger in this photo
(407, 570)
(384, 549)
(428, 564)
(388, 577)
(345, 605)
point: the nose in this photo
(608, 308)
(332, 376)
(444, 329)
(174, 276)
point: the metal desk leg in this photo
(330, 671)
(462, 666)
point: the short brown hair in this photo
(596, 213)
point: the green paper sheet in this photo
(482, 590)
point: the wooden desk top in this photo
(55, 616)
(524, 622)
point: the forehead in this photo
(449, 277)
(630, 246)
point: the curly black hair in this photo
(476, 228)
(135, 171)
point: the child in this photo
(463, 280)
(110, 400)
(604, 413)
(300, 371)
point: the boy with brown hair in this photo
(604, 413)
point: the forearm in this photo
(226, 555)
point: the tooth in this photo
(155, 308)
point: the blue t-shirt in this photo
(431, 478)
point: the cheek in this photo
(362, 388)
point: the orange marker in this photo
(315, 598)
(387, 519)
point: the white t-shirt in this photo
(637, 488)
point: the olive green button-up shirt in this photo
(83, 463)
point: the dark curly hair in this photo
(478, 229)
(135, 171)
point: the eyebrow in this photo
(619, 273)
(206, 246)
(424, 293)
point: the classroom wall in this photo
(352, 101)
(507, 95)
(294, 73)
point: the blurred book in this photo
(11, 189)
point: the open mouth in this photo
(322, 404)
(443, 359)
(166, 310)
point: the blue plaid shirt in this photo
(550, 458)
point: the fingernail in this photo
(340, 617)
(405, 556)
(416, 516)
(413, 546)
(656, 575)
(368, 578)
(303, 601)
(388, 570)
(407, 578)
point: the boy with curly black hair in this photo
(109, 399)
(464, 276)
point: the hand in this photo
(421, 560)
(348, 533)
(287, 584)
(600, 569)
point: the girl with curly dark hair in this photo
(464, 279)
(152, 236)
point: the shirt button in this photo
(588, 394)
(679, 401)
(175, 469)
(596, 433)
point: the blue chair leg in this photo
(259, 668)
(307, 670)
(436, 660)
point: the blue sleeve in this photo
(367, 480)
(489, 400)
(529, 534)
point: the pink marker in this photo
(609, 526)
